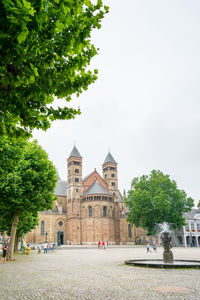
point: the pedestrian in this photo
(99, 244)
(28, 249)
(45, 248)
(5, 249)
(148, 248)
(103, 244)
(50, 247)
(39, 248)
(154, 246)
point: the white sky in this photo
(145, 104)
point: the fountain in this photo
(168, 260)
(167, 245)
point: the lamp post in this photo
(58, 237)
(46, 233)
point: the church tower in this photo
(110, 175)
(74, 191)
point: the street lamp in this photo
(46, 233)
(59, 238)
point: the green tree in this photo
(27, 183)
(198, 205)
(45, 50)
(27, 222)
(154, 199)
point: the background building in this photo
(86, 210)
(188, 235)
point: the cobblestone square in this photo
(91, 273)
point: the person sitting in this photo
(28, 249)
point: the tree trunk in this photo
(12, 237)
(16, 244)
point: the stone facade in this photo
(86, 210)
(188, 235)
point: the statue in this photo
(167, 245)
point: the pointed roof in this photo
(61, 188)
(121, 200)
(75, 152)
(96, 188)
(58, 177)
(109, 159)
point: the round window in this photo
(60, 223)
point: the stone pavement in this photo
(97, 274)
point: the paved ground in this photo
(97, 274)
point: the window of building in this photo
(105, 211)
(113, 175)
(180, 240)
(129, 231)
(113, 183)
(69, 172)
(60, 223)
(77, 190)
(105, 176)
(77, 163)
(42, 228)
(76, 179)
(90, 211)
(76, 170)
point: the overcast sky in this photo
(145, 104)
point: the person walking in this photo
(154, 247)
(45, 248)
(39, 248)
(148, 248)
(5, 249)
(99, 244)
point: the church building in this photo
(86, 210)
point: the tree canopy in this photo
(45, 50)
(27, 184)
(154, 199)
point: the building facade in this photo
(86, 210)
(188, 235)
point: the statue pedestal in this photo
(168, 257)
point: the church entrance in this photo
(60, 238)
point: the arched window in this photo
(129, 231)
(105, 211)
(42, 228)
(90, 211)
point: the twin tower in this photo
(93, 202)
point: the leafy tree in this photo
(154, 199)
(27, 222)
(45, 50)
(198, 205)
(27, 183)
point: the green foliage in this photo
(198, 205)
(45, 49)
(27, 183)
(155, 199)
